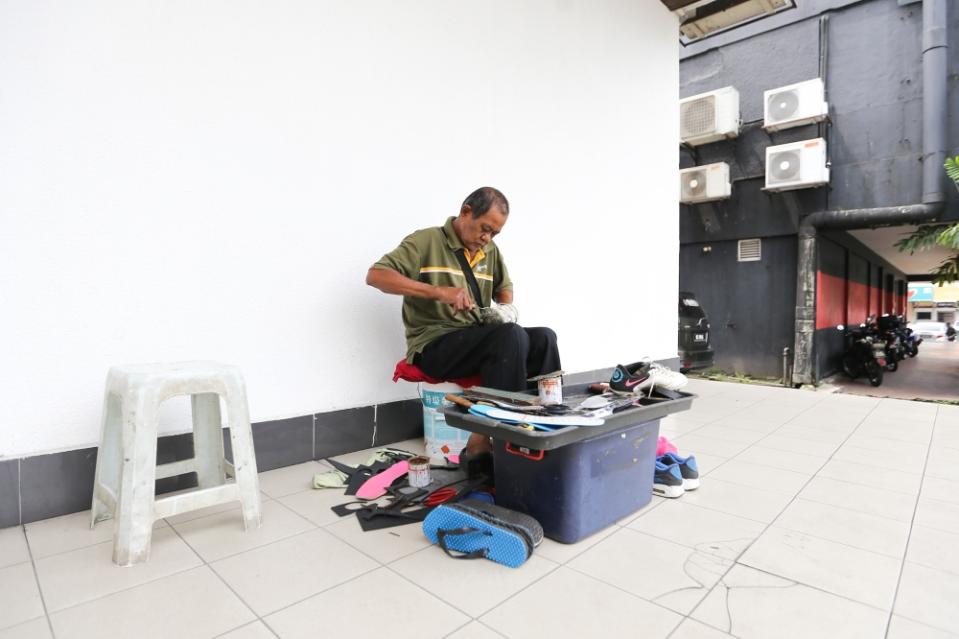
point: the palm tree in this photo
(946, 235)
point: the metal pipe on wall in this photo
(935, 55)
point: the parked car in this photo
(929, 330)
(694, 349)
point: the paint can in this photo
(419, 473)
(550, 391)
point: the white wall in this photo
(211, 180)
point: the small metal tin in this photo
(550, 391)
(419, 473)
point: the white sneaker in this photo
(662, 377)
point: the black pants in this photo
(504, 355)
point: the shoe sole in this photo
(690, 484)
(672, 492)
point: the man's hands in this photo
(390, 281)
(458, 298)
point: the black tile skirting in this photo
(43, 486)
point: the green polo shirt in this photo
(428, 256)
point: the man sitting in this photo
(458, 302)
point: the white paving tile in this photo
(19, 595)
(729, 434)
(695, 443)
(69, 532)
(316, 504)
(73, 577)
(366, 607)
(940, 489)
(581, 607)
(384, 545)
(929, 596)
(221, 535)
(762, 477)
(475, 630)
(736, 499)
(489, 583)
(850, 527)
(906, 463)
(791, 444)
(268, 580)
(857, 574)
(865, 499)
(751, 604)
(35, 629)
(883, 478)
(291, 479)
(902, 628)
(940, 515)
(796, 462)
(13, 547)
(934, 548)
(255, 630)
(692, 629)
(708, 531)
(194, 603)
(657, 570)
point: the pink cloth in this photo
(665, 446)
(411, 373)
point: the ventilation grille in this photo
(698, 117)
(783, 105)
(784, 167)
(750, 250)
(694, 184)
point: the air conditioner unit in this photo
(704, 183)
(795, 105)
(708, 117)
(798, 165)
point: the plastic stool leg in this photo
(244, 459)
(208, 440)
(109, 457)
(131, 540)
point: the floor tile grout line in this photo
(773, 524)
(207, 565)
(631, 594)
(36, 578)
(805, 585)
(781, 511)
(454, 606)
(912, 523)
(249, 623)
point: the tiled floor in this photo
(820, 515)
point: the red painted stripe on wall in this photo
(857, 303)
(830, 300)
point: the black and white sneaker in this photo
(627, 380)
(667, 480)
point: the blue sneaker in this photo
(668, 480)
(687, 468)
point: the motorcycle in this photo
(910, 341)
(864, 356)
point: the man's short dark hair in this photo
(483, 198)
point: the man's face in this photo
(476, 233)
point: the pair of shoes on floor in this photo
(643, 375)
(675, 475)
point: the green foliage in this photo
(945, 235)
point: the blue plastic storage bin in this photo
(580, 488)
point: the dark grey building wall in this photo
(874, 87)
(749, 304)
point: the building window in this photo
(750, 250)
(924, 315)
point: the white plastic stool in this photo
(126, 461)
